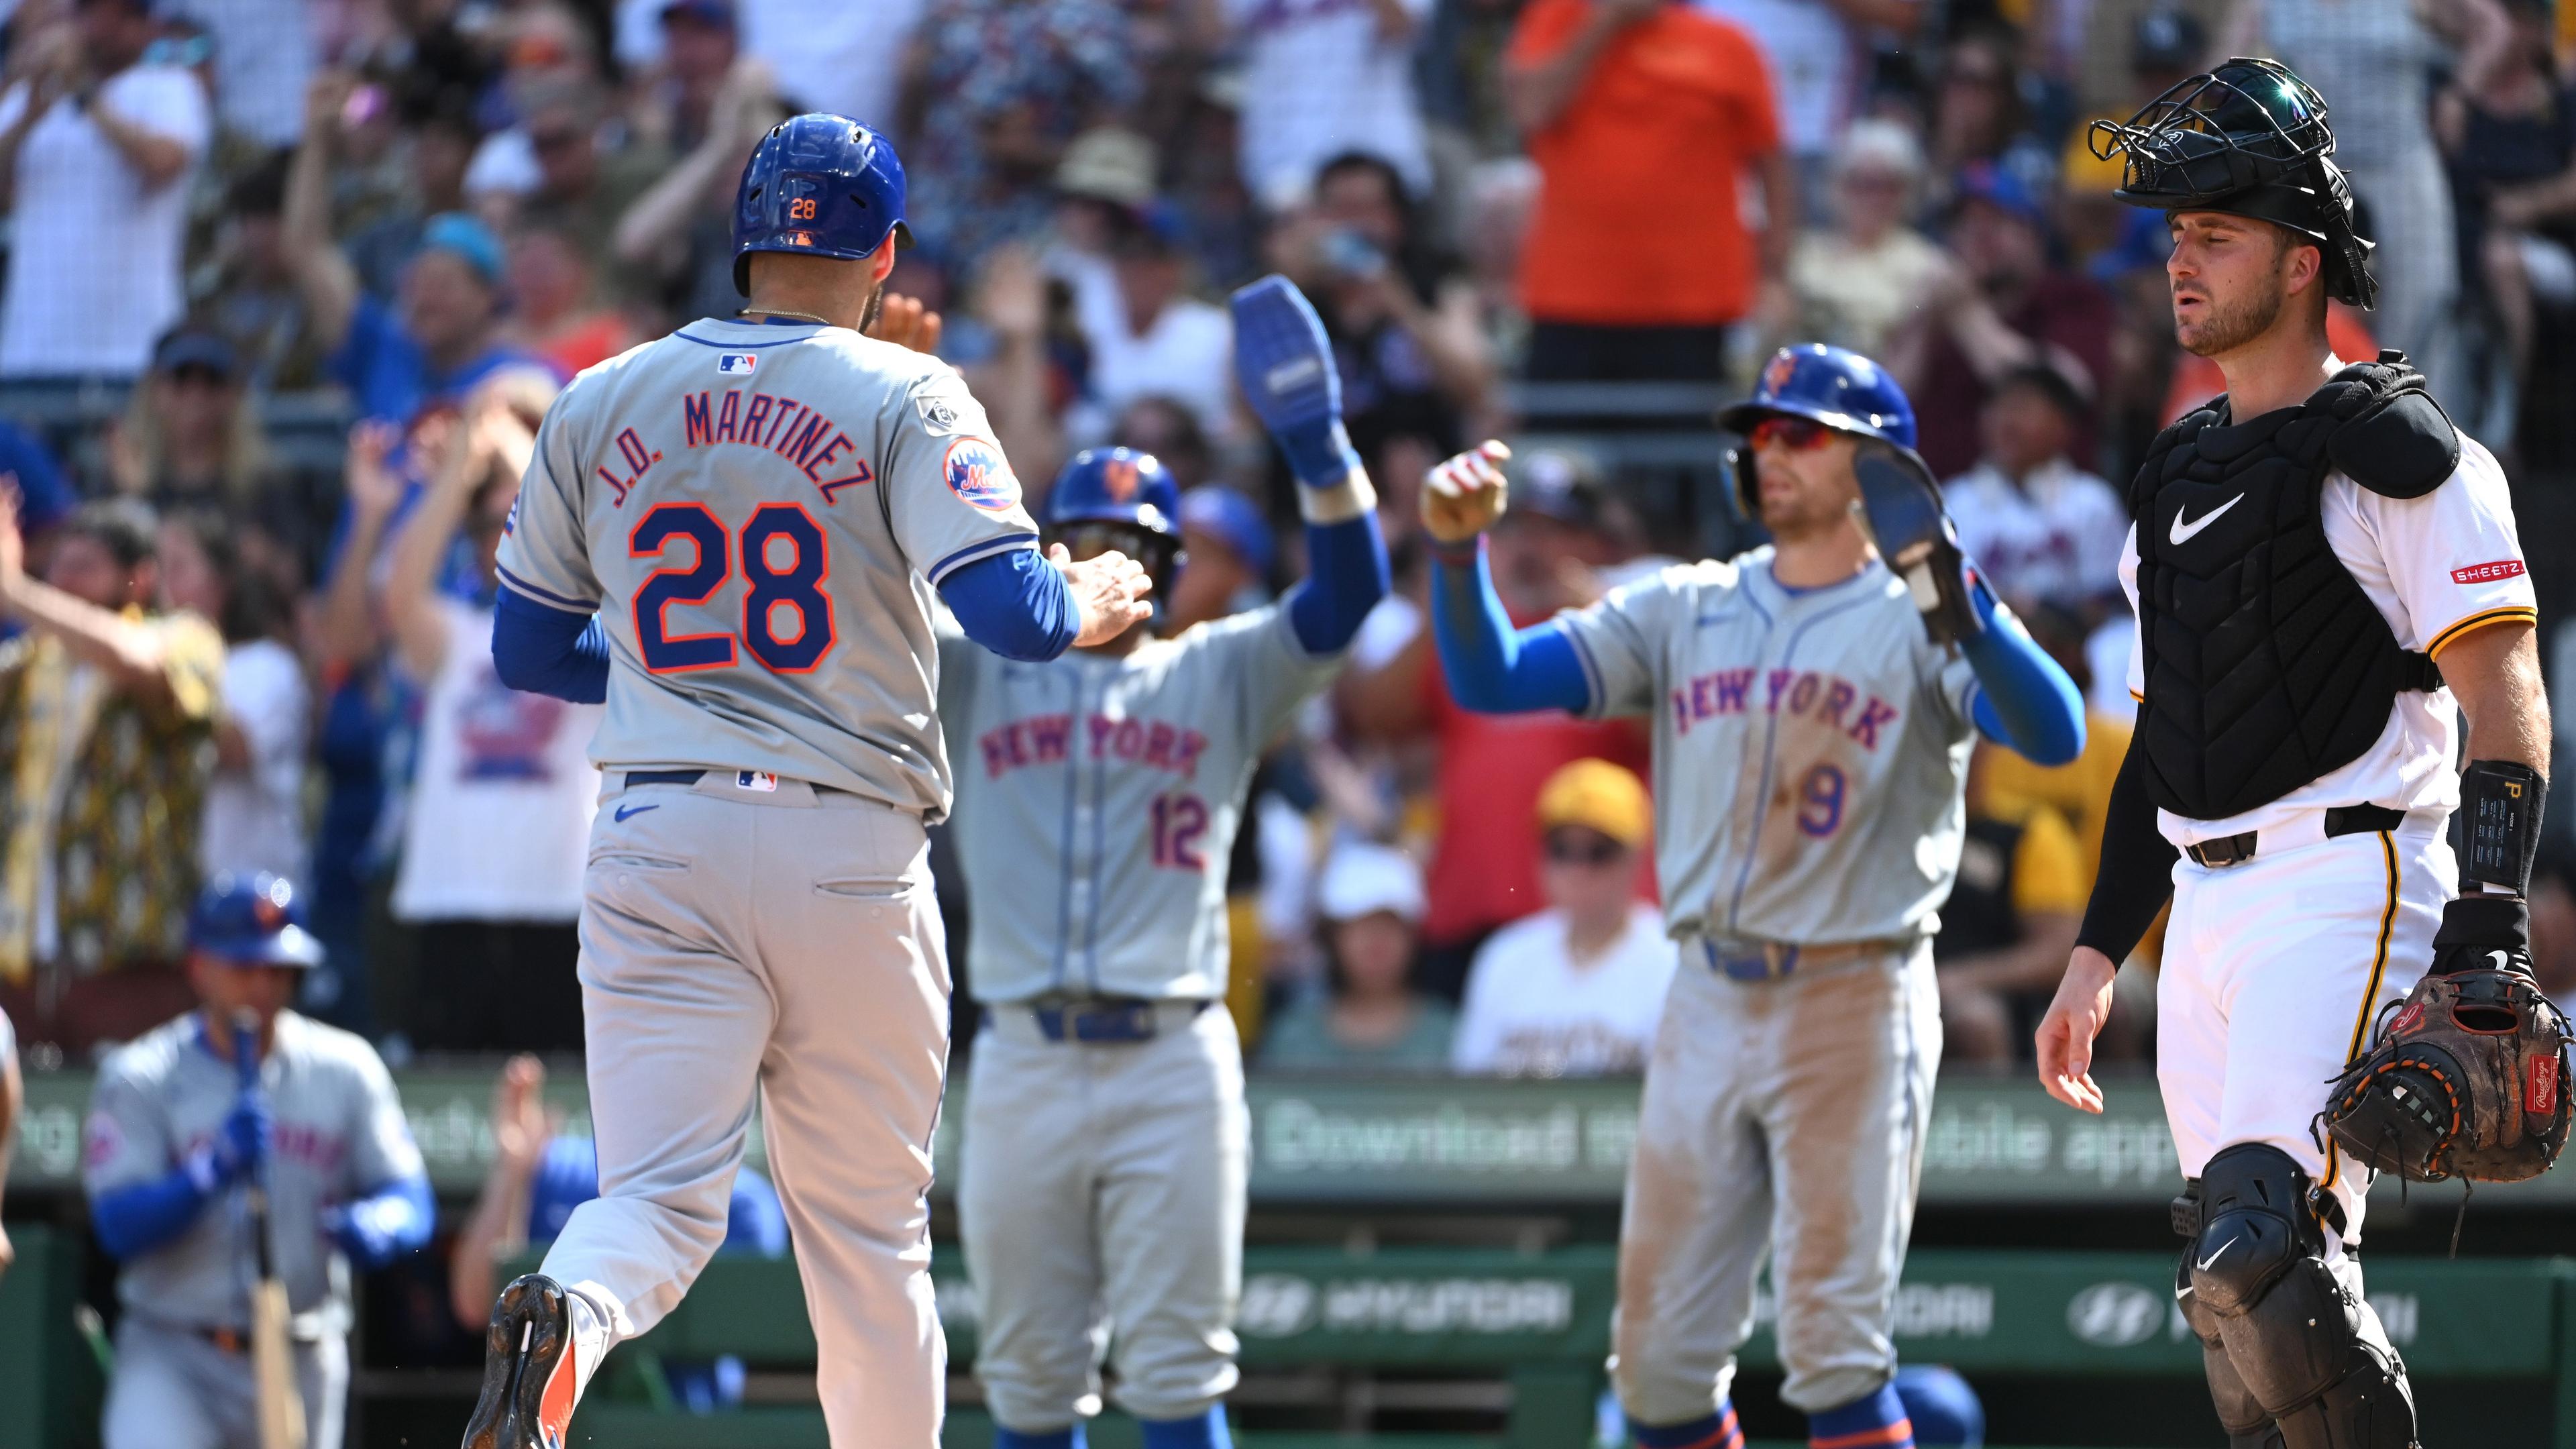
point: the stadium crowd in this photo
(289, 285)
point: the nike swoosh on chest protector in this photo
(2183, 533)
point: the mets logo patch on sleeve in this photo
(737, 362)
(978, 473)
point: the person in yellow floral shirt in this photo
(108, 708)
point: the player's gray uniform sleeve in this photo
(1276, 673)
(950, 495)
(545, 548)
(127, 1138)
(1950, 682)
(381, 1149)
(1622, 637)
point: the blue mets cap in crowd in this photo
(713, 14)
(2003, 188)
(456, 232)
(249, 920)
(1232, 520)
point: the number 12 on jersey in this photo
(1179, 823)
(774, 592)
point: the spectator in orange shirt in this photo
(1644, 117)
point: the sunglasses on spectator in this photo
(1798, 435)
(1584, 847)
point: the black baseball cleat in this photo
(529, 1379)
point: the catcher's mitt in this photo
(1900, 508)
(2467, 1078)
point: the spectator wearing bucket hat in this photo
(1374, 1021)
(1576, 990)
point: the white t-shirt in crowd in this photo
(255, 815)
(501, 795)
(1318, 80)
(1186, 354)
(2438, 567)
(2056, 537)
(1818, 65)
(94, 257)
(1532, 1012)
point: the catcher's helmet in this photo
(250, 921)
(1841, 389)
(820, 184)
(2249, 138)
(1128, 494)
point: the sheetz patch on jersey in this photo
(2487, 573)
(978, 473)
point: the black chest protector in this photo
(2266, 665)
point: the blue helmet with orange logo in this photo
(1831, 385)
(250, 921)
(820, 184)
(1128, 493)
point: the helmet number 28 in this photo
(786, 616)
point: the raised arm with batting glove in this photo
(1284, 363)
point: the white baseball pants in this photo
(2274, 971)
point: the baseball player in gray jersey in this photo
(175, 1136)
(1098, 798)
(732, 535)
(1811, 745)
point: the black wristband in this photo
(2500, 806)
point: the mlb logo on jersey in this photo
(736, 362)
(978, 473)
(757, 780)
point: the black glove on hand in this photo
(2483, 933)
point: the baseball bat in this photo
(281, 1406)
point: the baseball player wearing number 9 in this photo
(733, 536)
(1812, 731)
(1102, 1192)
(2325, 573)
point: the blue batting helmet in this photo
(1126, 490)
(1116, 485)
(1840, 389)
(820, 184)
(250, 921)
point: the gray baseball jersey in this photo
(759, 515)
(1811, 747)
(340, 1135)
(1098, 799)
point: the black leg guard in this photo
(2295, 1330)
(2247, 1425)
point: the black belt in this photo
(1111, 1019)
(663, 777)
(2227, 850)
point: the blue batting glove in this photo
(239, 1148)
(369, 1231)
(1285, 366)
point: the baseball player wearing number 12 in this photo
(732, 535)
(1810, 755)
(1102, 1190)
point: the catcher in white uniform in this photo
(1097, 803)
(732, 535)
(2325, 574)
(1813, 712)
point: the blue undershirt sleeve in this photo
(1346, 575)
(132, 1221)
(385, 1224)
(1015, 604)
(1492, 667)
(2023, 699)
(545, 650)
